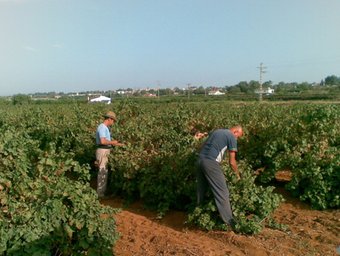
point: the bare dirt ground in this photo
(311, 232)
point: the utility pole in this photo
(262, 71)
(188, 91)
(158, 85)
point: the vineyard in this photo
(47, 163)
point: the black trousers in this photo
(209, 173)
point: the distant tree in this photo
(178, 90)
(246, 87)
(303, 87)
(243, 85)
(21, 99)
(253, 86)
(332, 80)
(165, 92)
(199, 90)
(137, 93)
(233, 89)
(285, 87)
(153, 91)
(268, 84)
(279, 87)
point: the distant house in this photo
(150, 95)
(124, 92)
(266, 91)
(216, 93)
(121, 92)
(269, 91)
(102, 99)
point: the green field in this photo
(47, 163)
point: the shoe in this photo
(232, 224)
(102, 196)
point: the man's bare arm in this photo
(104, 141)
(233, 163)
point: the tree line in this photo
(329, 86)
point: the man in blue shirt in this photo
(104, 145)
(210, 172)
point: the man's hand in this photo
(116, 143)
(200, 135)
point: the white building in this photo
(216, 93)
(102, 99)
(266, 91)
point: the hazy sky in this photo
(81, 45)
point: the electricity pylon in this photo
(262, 71)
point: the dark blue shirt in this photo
(217, 143)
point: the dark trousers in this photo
(209, 173)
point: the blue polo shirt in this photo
(217, 143)
(102, 132)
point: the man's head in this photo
(237, 131)
(110, 118)
(110, 115)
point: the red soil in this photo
(311, 232)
